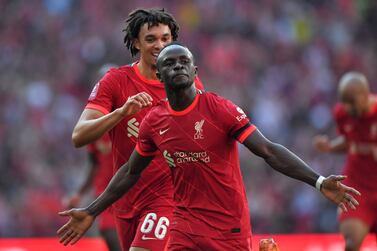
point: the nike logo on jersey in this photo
(163, 131)
(144, 238)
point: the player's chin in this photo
(178, 85)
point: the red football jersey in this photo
(101, 149)
(111, 92)
(361, 134)
(200, 146)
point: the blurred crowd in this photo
(279, 60)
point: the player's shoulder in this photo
(215, 99)
(339, 111)
(119, 71)
(157, 110)
(211, 96)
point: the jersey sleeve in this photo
(102, 96)
(236, 123)
(145, 145)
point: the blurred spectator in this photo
(295, 52)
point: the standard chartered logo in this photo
(133, 128)
(188, 157)
(169, 159)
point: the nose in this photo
(178, 66)
(159, 44)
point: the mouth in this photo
(155, 55)
(180, 75)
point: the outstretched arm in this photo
(82, 218)
(94, 124)
(337, 145)
(286, 162)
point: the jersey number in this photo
(161, 227)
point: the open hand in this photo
(79, 222)
(340, 194)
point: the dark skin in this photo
(177, 71)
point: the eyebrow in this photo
(152, 36)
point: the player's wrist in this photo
(91, 211)
(319, 182)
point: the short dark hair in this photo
(137, 18)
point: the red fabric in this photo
(183, 241)
(154, 188)
(102, 153)
(202, 153)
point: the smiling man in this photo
(211, 211)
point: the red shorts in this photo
(150, 230)
(106, 220)
(183, 241)
(366, 211)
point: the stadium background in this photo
(279, 60)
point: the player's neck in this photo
(180, 99)
(147, 71)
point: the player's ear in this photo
(196, 70)
(158, 75)
(137, 43)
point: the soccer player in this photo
(197, 133)
(356, 119)
(99, 175)
(117, 104)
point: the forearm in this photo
(88, 131)
(286, 162)
(122, 181)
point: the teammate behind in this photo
(356, 119)
(99, 175)
(197, 133)
(117, 105)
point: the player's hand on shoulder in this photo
(342, 195)
(136, 103)
(322, 143)
(79, 222)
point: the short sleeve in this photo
(236, 122)
(102, 96)
(145, 145)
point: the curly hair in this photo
(153, 17)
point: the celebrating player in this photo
(197, 133)
(356, 119)
(118, 104)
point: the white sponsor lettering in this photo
(189, 157)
